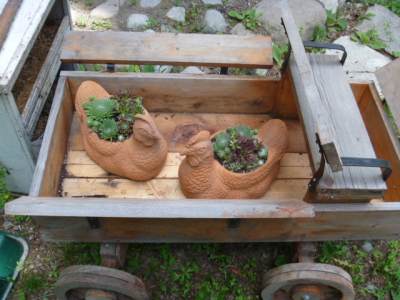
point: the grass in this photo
(279, 52)
(393, 5)
(100, 24)
(376, 273)
(5, 194)
(369, 38)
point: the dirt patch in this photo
(23, 86)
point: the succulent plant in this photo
(112, 118)
(239, 150)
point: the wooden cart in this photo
(73, 199)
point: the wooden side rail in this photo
(333, 125)
(168, 48)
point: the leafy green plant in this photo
(100, 24)
(369, 38)
(396, 54)
(132, 2)
(5, 195)
(81, 21)
(279, 52)
(320, 34)
(112, 118)
(335, 21)
(152, 23)
(239, 150)
(249, 17)
(393, 5)
(365, 16)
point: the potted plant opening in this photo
(237, 163)
(119, 134)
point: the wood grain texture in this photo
(314, 114)
(186, 92)
(351, 134)
(160, 208)
(44, 81)
(388, 77)
(168, 48)
(331, 222)
(383, 137)
(51, 156)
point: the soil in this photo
(33, 64)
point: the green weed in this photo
(335, 22)
(32, 284)
(279, 52)
(249, 18)
(133, 2)
(366, 16)
(99, 24)
(81, 254)
(130, 69)
(5, 195)
(369, 38)
(89, 2)
(81, 21)
(152, 23)
(393, 5)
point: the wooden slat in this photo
(142, 208)
(331, 222)
(177, 128)
(383, 137)
(167, 48)
(51, 156)
(187, 92)
(315, 116)
(388, 77)
(352, 137)
(163, 188)
(20, 39)
(44, 81)
(78, 164)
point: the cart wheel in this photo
(98, 283)
(307, 281)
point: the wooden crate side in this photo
(46, 178)
(331, 222)
(253, 51)
(383, 138)
(188, 93)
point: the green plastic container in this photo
(13, 252)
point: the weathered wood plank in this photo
(331, 222)
(388, 80)
(163, 188)
(177, 128)
(352, 138)
(51, 156)
(44, 81)
(156, 208)
(7, 15)
(78, 164)
(24, 30)
(314, 115)
(383, 137)
(167, 48)
(187, 92)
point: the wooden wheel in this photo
(98, 283)
(307, 281)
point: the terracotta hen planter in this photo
(140, 157)
(202, 176)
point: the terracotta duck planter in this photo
(140, 157)
(202, 176)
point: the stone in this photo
(137, 21)
(332, 5)
(167, 28)
(150, 31)
(177, 13)
(240, 29)
(362, 61)
(367, 247)
(149, 3)
(192, 70)
(386, 23)
(212, 2)
(307, 14)
(214, 21)
(107, 10)
(162, 69)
